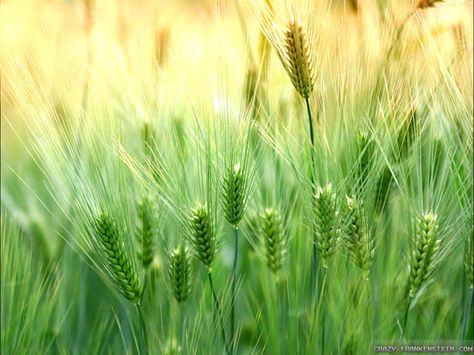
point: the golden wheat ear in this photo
(89, 12)
(423, 4)
(298, 58)
(354, 6)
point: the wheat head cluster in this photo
(237, 177)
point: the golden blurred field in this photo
(191, 52)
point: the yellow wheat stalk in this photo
(292, 39)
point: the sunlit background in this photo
(166, 53)
(145, 60)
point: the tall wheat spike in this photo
(273, 239)
(325, 222)
(121, 268)
(179, 273)
(89, 12)
(297, 58)
(203, 238)
(233, 195)
(425, 248)
(423, 4)
(361, 247)
(145, 233)
(293, 47)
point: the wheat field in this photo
(236, 177)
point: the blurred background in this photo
(167, 52)
(150, 57)
(63, 61)
(145, 60)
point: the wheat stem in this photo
(370, 309)
(313, 187)
(83, 272)
(218, 314)
(234, 281)
(279, 296)
(317, 310)
(181, 324)
(466, 315)
(405, 320)
(143, 288)
(323, 320)
(311, 135)
(145, 335)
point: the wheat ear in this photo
(234, 199)
(425, 248)
(145, 233)
(325, 222)
(118, 262)
(297, 58)
(423, 4)
(203, 238)
(233, 195)
(361, 248)
(204, 242)
(179, 273)
(273, 239)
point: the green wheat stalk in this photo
(469, 269)
(273, 239)
(325, 223)
(423, 257)
(204, 241)
(119, 264)
(234, 198)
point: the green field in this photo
(236, 177)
